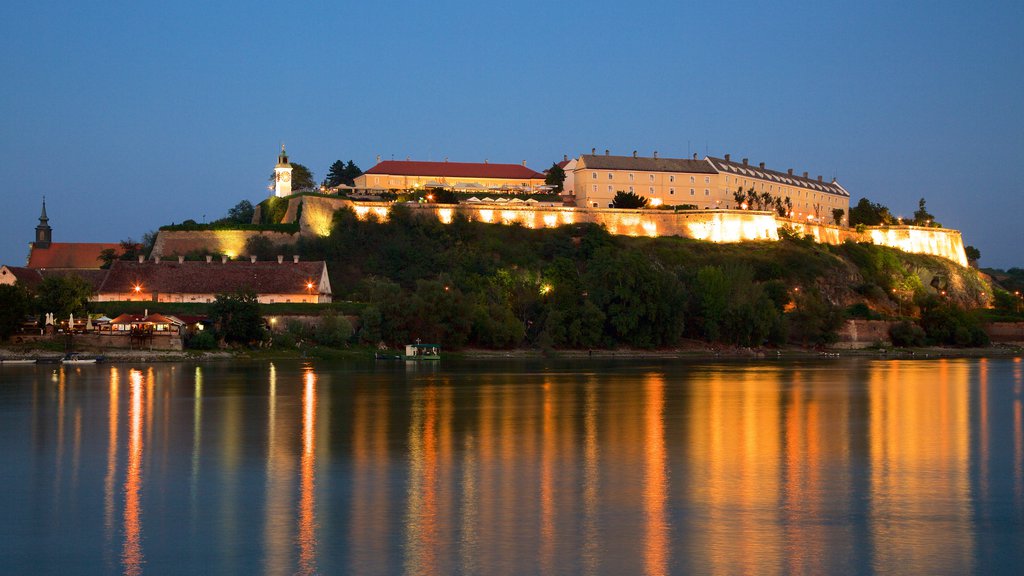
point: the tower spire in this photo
(44, 234)
(42, 217)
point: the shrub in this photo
(202, 340)
(333, 330)
(906, 333)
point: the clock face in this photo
(285, 176)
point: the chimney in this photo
(694, 155)
(805, 174)
(156, 259)
(445, 158)
(407, 158)
(209, 258)
(727, 157)
(252, 258)
(141, 258)
(634, 153)
(606, 152)
(486, 161)
(655, 154)
(745, 161)
(145, 313)
(378, 158)
(819, 177)
(593, 151)
(762, 165)
(223, 259)
(790, 171)
(524, 162)
(280, 258)
(181, 259)
(565, 157)
(295, 259)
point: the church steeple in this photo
(44, 234)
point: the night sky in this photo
(131, 115)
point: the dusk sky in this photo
(131, 115)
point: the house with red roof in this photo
(189, 281)
(458, 176)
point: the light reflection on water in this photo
(842, 467)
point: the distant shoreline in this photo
(708, 353)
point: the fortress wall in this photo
(317, 214)
(230, 242)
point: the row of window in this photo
(671, 177)
(650, 190)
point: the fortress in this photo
(713, 225)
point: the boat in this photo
(13, 361)
(75, 358)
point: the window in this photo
(630, 189)
(671, 178)
(651, 189)
(707, 192)
(630, 177)
(691, 180)
(691, 191)
(650, 177)
(609, 188)
(593, 175)
(609, 175)
(595, 188)
(707, 179)
(610, 205)
(671, 191)
(595, 204)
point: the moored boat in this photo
(17, 361)
(75, 358)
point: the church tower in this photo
(282, 175)
(44, 234)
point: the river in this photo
(842, 466)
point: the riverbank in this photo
(683, 353)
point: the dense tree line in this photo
(577, 286)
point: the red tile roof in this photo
(70, 255)
(454, 170)
(31, 277)
(213, 278)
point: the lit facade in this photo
(461, 176)
(708, 183)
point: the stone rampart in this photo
(316, 214)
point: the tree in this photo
(130, 249)
(837, 216)
(555, 177)
(63, 295)
(922, 217)
(242, 213)
(237, 317)
(15, 304)
(339, 173)
(302, 178)
(628, 200)
(870, 214)
(973, 255)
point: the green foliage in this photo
(201, 340)
(333, 330)
(62, 296)
(15, 305)
(922, 217)
(555, 177)
(946, 324)
(731, 307)
(339, 173)
(973, 254)
(813, 319)
(628, 200)
(262, 248)
(837, 216)
(907, 334)
(272, 210)
(870, 214)
(237, 317)
(241, 213)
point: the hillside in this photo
(470, 283)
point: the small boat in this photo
(13, 361)
(387, 356)
(75, 358)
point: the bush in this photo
(333, 330)
(906, 334)
(202, 340)
(284, 340)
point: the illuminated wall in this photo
(230, 242)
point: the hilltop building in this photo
(44, 253)
(458, 176)
(708, 183)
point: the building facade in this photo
(459, 176)
(706, 184)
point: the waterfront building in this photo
(459, 176)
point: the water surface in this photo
(845, 466)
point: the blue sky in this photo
(130, 115)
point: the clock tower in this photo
(282, 175)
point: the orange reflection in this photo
(108, 481)
(547, 498)
(591, 481)
(307, 505)
(656, 549)
(131, 554)
(368, 525)
(421, 517)
(278, 540)
(920, 457)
